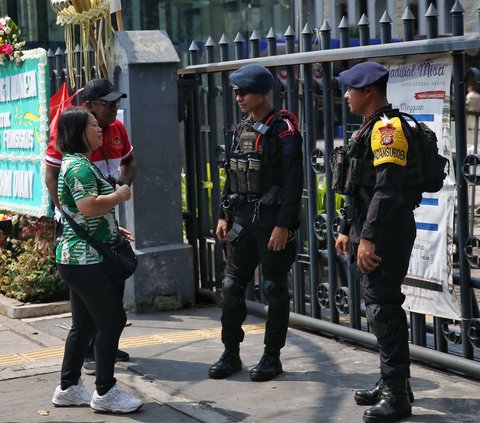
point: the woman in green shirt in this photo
(95, 296)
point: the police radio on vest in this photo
(261, 127)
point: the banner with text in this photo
(24, 97)
(421, 87)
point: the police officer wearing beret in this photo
(380, 227)
(258, 215)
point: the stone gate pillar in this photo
(145, 67)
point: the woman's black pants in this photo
(96, 302)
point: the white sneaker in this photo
(74, 395)
(115, 401)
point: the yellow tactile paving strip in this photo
(131, 342)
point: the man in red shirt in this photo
(114, 158)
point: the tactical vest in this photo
(255, 164)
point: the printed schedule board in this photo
(24, 117)
(421, 86)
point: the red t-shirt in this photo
(116, 147)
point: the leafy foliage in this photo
(27, 264)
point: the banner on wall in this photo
(24, 95)
(422, 89)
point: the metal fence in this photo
(325, 296)
(57, 63)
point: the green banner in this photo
(24, 128)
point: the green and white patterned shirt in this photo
(80, 178)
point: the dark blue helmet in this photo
(253, 78)
(363, 75)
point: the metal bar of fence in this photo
(291, 79)
(426, 355)
(272, 51)
(440, 341)
(212, 152)
(202, 210)
(291, 104)
(408, 25)
(254, 44)
(454, 45)
(325, 32)
(297, 268)
(462, 188)
(377, 51)
(417, 332)
(352, 281)
(385, 29)
(309, 141)
(364, 30)
(190, 184)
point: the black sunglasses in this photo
(239, 92)
(115, 103)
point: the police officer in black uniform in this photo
(258, 214)
(379, 225)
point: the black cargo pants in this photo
(244, 252)
(384, 298)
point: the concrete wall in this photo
(146, 69)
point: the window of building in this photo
(187, 21)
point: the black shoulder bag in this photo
(119, 256)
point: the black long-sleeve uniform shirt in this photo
(282, 162)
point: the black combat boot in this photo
(228, 364)
(371, 396)
(393, 404)
(267, 368)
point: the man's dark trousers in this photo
(243, 256)
(384, 298)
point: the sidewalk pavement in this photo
(170, 353)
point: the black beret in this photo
(363, 75)
(253, 78)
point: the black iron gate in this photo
(325, 295)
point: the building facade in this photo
(185, 21)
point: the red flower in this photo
(7, 49)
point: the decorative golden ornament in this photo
(90, 19)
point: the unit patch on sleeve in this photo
(389, 144)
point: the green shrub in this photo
(27, 263)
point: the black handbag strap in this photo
(82, 233)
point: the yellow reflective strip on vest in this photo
(389, 144)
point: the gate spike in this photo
(385, 18)
(325, 27)
(289, 32)
(408, 15)
(210, 42)
(432, 11)
(255, 36)
(307, 29)
(223, 40)
(193, 46)
(457, 8)
(363, 21)
(343, 23)
(239, 38)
